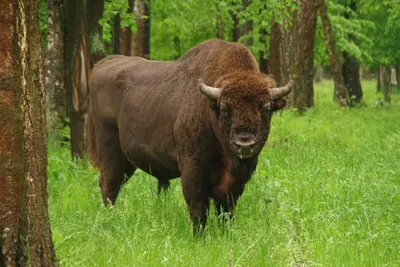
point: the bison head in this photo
(243, 104)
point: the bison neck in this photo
(235, 171)
(242, 170)
(234, 175)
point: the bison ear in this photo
(279, 104)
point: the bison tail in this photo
(91, 140)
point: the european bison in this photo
(204, 118)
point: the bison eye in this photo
(266, 107)
(225, 109)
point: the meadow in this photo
(326, 193)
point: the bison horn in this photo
(279, 92)
(211, 92)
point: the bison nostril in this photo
(245, 143)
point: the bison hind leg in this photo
(163, 186)
(129, 171)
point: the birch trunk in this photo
(54, 68)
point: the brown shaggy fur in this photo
(152, 115)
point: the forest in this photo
(326, 191)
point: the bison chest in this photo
(225, 184)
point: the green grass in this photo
(326, 192)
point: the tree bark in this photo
(83, 49)
(340, 92)
(351, 69)
(378, 80)
(140, 40)
(220, 27)
(398, 77)
(241, 30)
(235, 26)
(178, 47)
(291, 54)
(73, 46)
(146, 50)
(263, 61)
(318, 73)
(281, 50)
(247, 27)
(351, 77)
(93, 31)
(220, 24)
(54, 68)
(117, 35)
(77, 65)
(125, 42)
(385, 82)
(25, 235)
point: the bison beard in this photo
(204, 118)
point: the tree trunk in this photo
(385, 82)
(25, 235)
(125, 42)
(351, 77)
(54, 68)
(117, 35)
(340, 92)
(378, 80)
(241, 30)
(146, 50)
(292, 54)
(220, 24)
(235, 26)
(392, 76)
(83, 49)
(74, 58)
(398, 77)
(220, 27)
(140, 40)
(351, 69)
(93, 30)
(177, 46)
(247, 27)
(318, 73)
(281, 51)
(263, 61)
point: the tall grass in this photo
(326, 192)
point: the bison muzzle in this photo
(204, 118)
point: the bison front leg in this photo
(226, 203)
(197, 199)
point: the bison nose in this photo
(245, 144)
(245, 141)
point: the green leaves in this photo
(384, 15)
(350, 30)
(180, 25)
(369, 34)
(114, 8)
